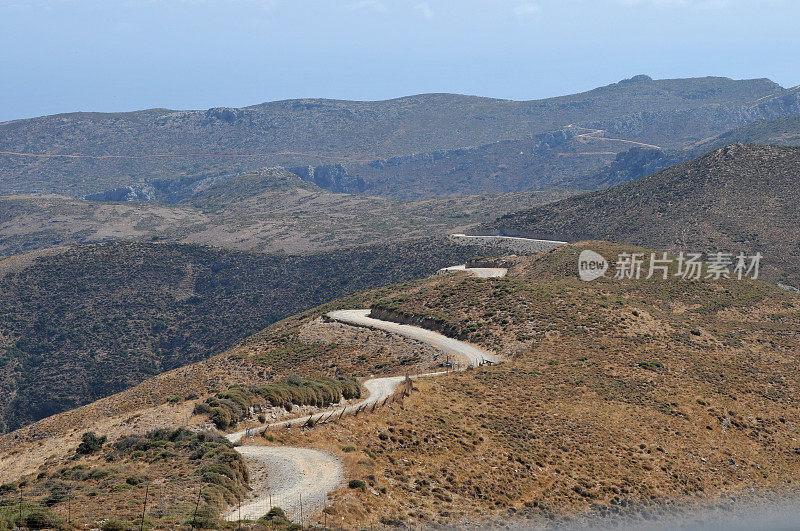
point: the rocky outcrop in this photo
(332, 177)
(124, 193)
(629, 165)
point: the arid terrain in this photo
(613, 397)
(266, 211)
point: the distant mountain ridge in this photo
(174, 145)
(639, 162)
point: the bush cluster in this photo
(219, 466)
(90, 443)
(230, 407)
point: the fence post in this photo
(196, 505)
(144, 509)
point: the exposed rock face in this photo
(394, 316)
(223, 114)
(168, 191)
(646, 123)
(333, 177)
(125, 193)
(630, 165)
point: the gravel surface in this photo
(286, 476)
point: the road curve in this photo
(297, 480)
(471, 354)
(286, 472)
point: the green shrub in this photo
(202, 408)
(357, 484)
(653, 365)
(134, 480)
(221, 417)
(275, 515)
(206, 518)
(59, 491)
(98, 473)
(231, 407)
(90, 443)
(115, 525)
(40, 518)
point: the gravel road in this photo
(467, 352)
(281, 475)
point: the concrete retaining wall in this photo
(512, 243)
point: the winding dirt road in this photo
(471, 354)
(281, 475)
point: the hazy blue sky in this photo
(108, 55)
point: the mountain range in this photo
(85, 153)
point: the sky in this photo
(118, 55)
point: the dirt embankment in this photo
(394, 316)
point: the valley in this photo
(81, 323)
(268, 211)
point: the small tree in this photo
(90, 443)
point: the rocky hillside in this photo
(615, 397)
(639, 162)
(81, 323)
(784, 131)
(737, 198)
(115, 150)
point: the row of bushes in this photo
(230, 407)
